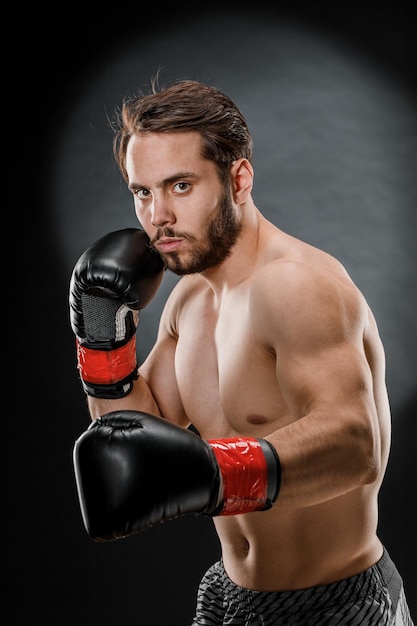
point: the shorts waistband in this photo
(358, 586)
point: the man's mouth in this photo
(168, 244)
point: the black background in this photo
(54, 573)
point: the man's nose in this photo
(161, 212)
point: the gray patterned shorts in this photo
(374, 597)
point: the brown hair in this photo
(184, 106)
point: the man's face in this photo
(180, 201)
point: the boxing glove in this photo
(112, 280)
(134, 470)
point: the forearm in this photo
(139, 399)
(323, 458)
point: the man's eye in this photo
(142, 193)
(181, 187)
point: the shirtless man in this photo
(266, 348)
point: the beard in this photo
(221, 235)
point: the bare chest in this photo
(227, 380)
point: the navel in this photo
(242, 546)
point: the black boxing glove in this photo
(113, 279)
(134, 470)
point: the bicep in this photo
(333, 377)
(315, 329)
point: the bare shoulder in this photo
(185, 292)
(307, 292)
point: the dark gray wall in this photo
(330, 96)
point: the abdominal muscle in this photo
(294, 548)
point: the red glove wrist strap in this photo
(104, 367)
(245, 474)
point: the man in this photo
(265, 348)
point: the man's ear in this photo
(241, 174)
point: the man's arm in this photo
(315, 324)
(114, 279)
